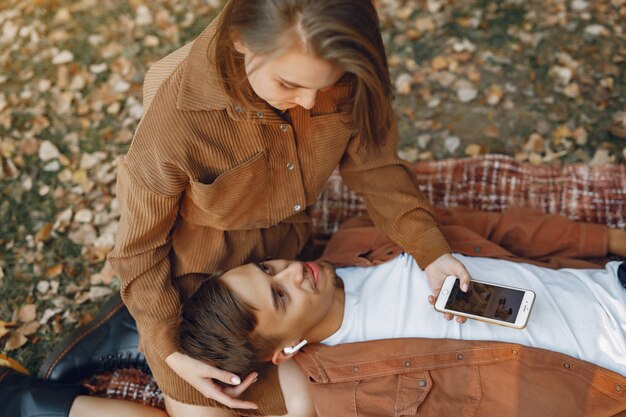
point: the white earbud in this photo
(293, 349)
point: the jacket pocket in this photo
(412, 391)
(393, 395)
(236, 200)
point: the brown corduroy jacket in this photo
(209, 184)
(444, 377)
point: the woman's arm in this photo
(399, 209)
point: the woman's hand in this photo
(201, 376)
(437, 272)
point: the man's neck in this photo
(333, 320)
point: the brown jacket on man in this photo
(444, 377)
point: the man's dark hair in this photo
(218, 329)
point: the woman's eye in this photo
(266, 268)
(285, 86)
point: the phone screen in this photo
(486, 300)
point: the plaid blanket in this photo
(494, 183)
(491, 183)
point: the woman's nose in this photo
(307, 100)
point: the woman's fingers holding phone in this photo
(432, 299)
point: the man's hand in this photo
(437, 272)
(201, 376)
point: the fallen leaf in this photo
(83, 216)
(535, 143)
(43, 287)
(572, 90)
(15, 341)
(439, 62)
(601, 157)
(44, 233)
(473, 150)
(492, 131)
(30, 328)
(4, 328)
(54, 271)
(7, 362)
(562, 132)
(48, 151)
(452, 143)
(63, 57)
(596, 30)
(48, 314)
(98, 293)
(467, 94)
(403, 83)
(580, 135)
(27, 313)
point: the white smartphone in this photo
(493, 303)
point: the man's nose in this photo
(293, 274)
(307, 100)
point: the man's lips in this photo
(314, 272)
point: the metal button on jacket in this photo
(297, 208)
(284, 128)
(260, 114)
(290, 166)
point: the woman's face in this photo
(291, 79)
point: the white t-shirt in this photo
(581, 313)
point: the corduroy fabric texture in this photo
(209, 184)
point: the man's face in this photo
(293, 300)
(291, 79)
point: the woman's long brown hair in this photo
(343, 32)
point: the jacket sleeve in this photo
(393, 199)
(531, 233)
(149, 188)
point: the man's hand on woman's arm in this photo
(201, 376)
(437, 272)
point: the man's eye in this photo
(282, 297)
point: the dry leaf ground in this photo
(541, 80)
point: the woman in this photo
(242, 129)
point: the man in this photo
(263, 313)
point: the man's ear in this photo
(287, 353)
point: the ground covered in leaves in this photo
(541, 80)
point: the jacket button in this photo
(290, 166)
(407, 364)
(284, 128)
(460, 356)
(477, 249)
(422, 383)
(297, 208)
(566, 365)
(618, 388)
(238, 109)
(260, 114)
(355, 369)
